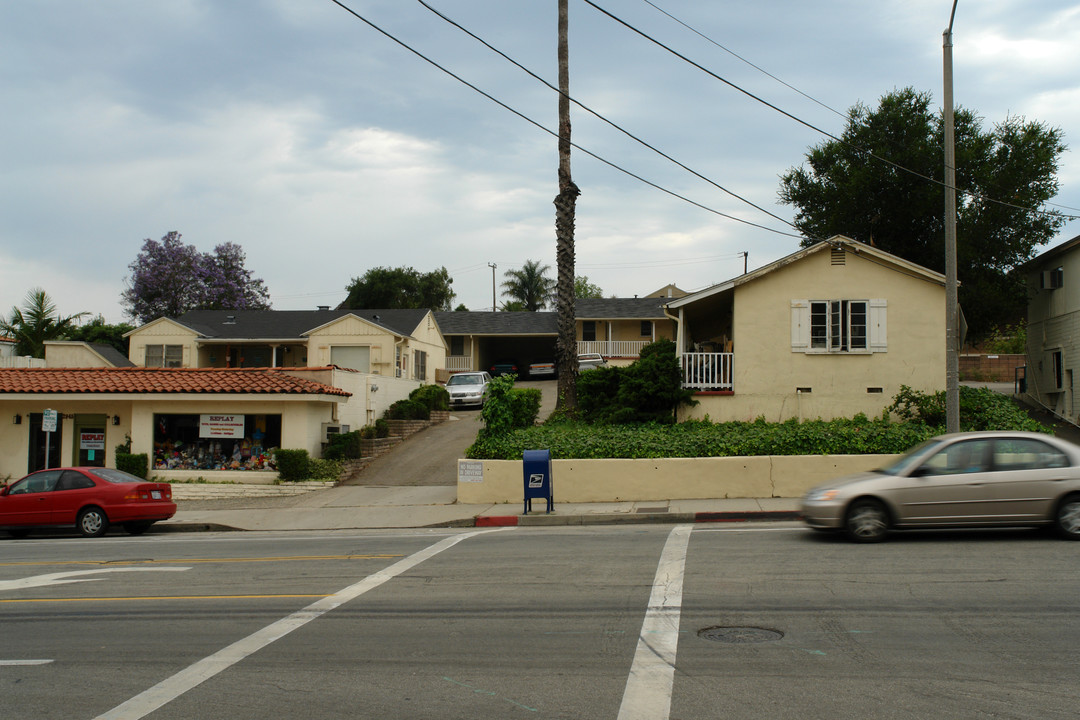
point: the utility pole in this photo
(492, 266)
(952, 336)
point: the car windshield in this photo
(116, 476)
(911, 459)
(464, 380)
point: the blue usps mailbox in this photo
(538, 483)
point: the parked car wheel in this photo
(93, 522)
(1067, 518)
(866, 521)
(138, 528)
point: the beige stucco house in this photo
(1053, 328)
(830, 331)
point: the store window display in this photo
(216, 441)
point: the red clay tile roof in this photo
(161, 380)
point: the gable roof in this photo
(1050, 254)
(497, 323)
(546, 322)
(141, 380)
(646, 308)
(290, 324)
(837, 242)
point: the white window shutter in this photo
(800, 325)
(878, 326)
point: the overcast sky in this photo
(324, 148)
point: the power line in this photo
(551, 132)
(813, 127)
(740, 57)
(606, 120)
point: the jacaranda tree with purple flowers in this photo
(169, 278)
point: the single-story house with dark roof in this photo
(617, 328)
(190, 422)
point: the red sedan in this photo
(89, 498)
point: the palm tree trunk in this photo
(565, 207)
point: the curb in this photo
(550, 520)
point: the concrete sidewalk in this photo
(356, 507)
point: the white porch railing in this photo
(612, 348)
(458, 363)
(707, 371)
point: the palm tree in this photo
(565, 210)
(530, 285)
(35, 323)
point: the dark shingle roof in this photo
(497, 323)
(112, 355)
(546, 322)
(280, 324)
(620, 308)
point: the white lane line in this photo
(74, 576)
(11, 663)
(173, 687)
(648, 689)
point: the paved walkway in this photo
(355, 507)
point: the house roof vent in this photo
(230, 319)
(837, 257)
(324, 307)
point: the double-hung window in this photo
(166, 356)
(838, 326)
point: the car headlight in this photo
(821, 495)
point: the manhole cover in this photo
(739, 635)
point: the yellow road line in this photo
(283, 558)
(159, 597)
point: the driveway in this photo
(430, 456)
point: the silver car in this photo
(590, 361)
(976, 479)
(468, 388)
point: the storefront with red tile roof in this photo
(190, 422)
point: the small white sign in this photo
(470, 471)
(221, 426)
(48, 421)
(536, 480)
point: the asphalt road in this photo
(615, 622)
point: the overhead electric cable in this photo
(536, 124)
(592, 112)
(740, 57)
(813, 127)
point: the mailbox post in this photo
(536, 466)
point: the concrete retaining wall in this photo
(580, 481)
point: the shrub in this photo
(382, 429)
(407, 410)
(649, 390)
(508, 407)
(137, 464)
(980, 409)
(323, 469)
(292, 465)
(343, 445)
(433, 397)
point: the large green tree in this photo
(401, 288)
(1004, 175)
(35, 322)
(530, 286)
